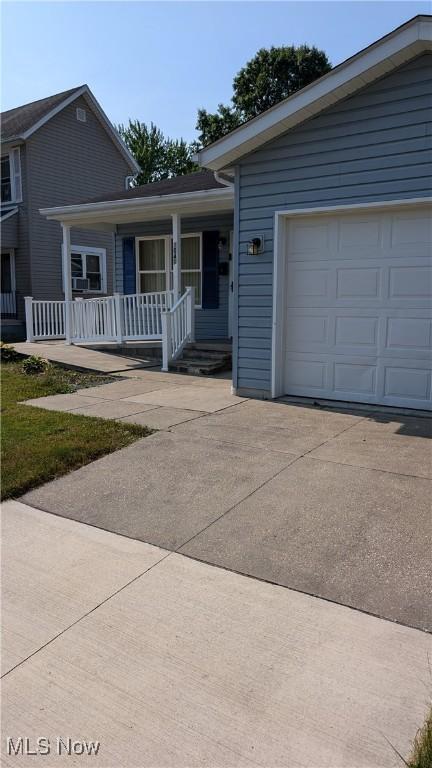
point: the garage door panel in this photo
(308, 373)
(350, 236)
(412, 282)
(409, 333)
(358, 283)
(355, 331)
(410, 231)
(358, 314)
(355, 378)
(413, 383)
(368, 380)
(305, 283)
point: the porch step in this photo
(204, 354)
(199, 360)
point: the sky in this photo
(160, 61)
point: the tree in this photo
(158, 157)
(214, 126)
(272, 75)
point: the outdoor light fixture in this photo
(255, 246)
(221, 243)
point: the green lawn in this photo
(39, 445)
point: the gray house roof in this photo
(191, 182)
(20, 123)
(15, 122)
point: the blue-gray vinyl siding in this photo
(209, 323)
(373, 146)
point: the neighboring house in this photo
(55, 151)
(332, 234)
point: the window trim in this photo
(168, 260)
(84, 250)
(15, 173)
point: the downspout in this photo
(220, 180)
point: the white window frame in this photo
(84, 250)
(14, 156)
(168, 260)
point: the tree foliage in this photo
(159, 157)
(272, 75)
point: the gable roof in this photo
(15, 122)
(20, 123)
(402, 44)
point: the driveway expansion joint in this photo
(369, 469)
(263, 484)
(89, 612)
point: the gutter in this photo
(139, 203)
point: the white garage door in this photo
(358, 307)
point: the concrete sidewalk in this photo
(81, 358)
(332, 503)
(173, 663)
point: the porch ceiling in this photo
(106, 215)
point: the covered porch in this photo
(172, 268)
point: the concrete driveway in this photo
(333, 503)
(173, 663)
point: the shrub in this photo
(7, 352)
(34, 364)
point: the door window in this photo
(152, 267)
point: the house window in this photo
(191, 265)
(88, 268)
(11, 177)
(6, 181)
(154, 264)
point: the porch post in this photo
(67, 280)
(176, 227)
(28, 301)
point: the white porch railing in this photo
(142, 314)
(111, 318)
(92, 320)
(178, 327)
(8, 303)
(45, 319)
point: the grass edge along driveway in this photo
(39, 445)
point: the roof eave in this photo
(115, 211)
(363, 68)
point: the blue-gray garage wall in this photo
(373, 146)
(209, 323)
